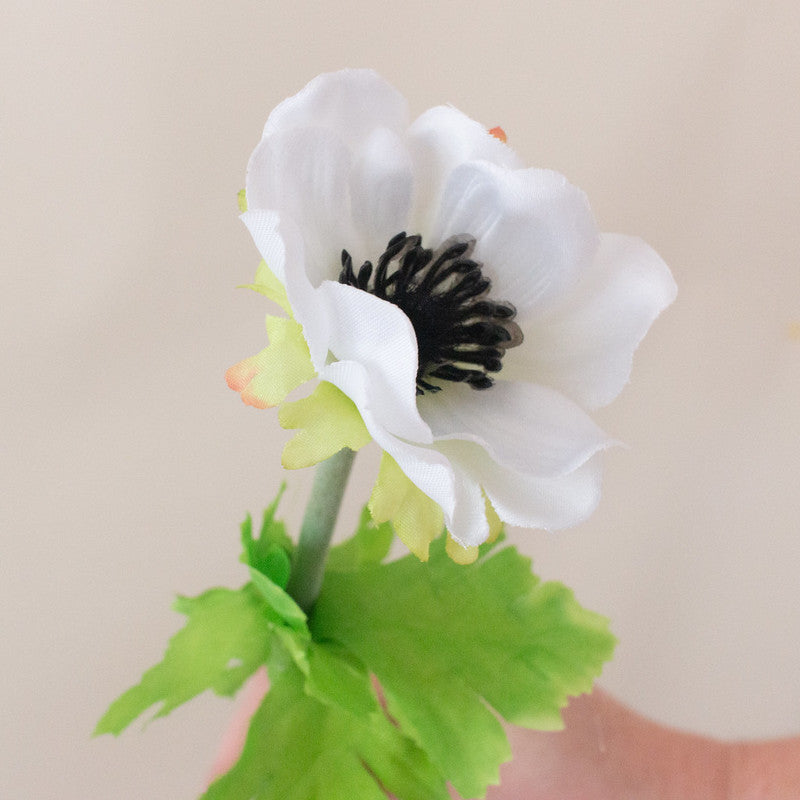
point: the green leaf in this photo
(336, 677)
(270, 554)
(225, 639)
(445, 640)
(301, 748)
(278, 600)
(453, 647)
(369, 545)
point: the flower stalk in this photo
(316, 531)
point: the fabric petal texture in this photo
(525, 427)
(462, 310)
(534, 230)
(351, 103)
(584, 348)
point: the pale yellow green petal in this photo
(265, 379)
(242, 199)
(416, 518)
(267, 284)
(328, 421)
(495, 523)
(459, 553)
(388, 491)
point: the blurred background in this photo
(126, 464)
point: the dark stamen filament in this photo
(461, 334)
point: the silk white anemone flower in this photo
(466, 310)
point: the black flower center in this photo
(462, 335)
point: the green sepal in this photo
(241, 198)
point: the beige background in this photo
(127, 464)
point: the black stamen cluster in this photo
(461, 334)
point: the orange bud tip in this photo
(499, 133)
(254, 400)
(239, 375)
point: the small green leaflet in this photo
(447, 643)
(270, 553)
(224, 642)
(226, 639)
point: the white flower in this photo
(549, 310)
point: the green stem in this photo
(308, 565)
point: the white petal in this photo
(522, 426)
(426, 467)
(429, 469)
(351, 103)
(374, 372)
(379, 337)
(585, 347)
(441, 139)
(380, 187)
(305, 175)
(467, 524)
(535, 232)
(281, 246)
(527, 501)
(457, 494)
